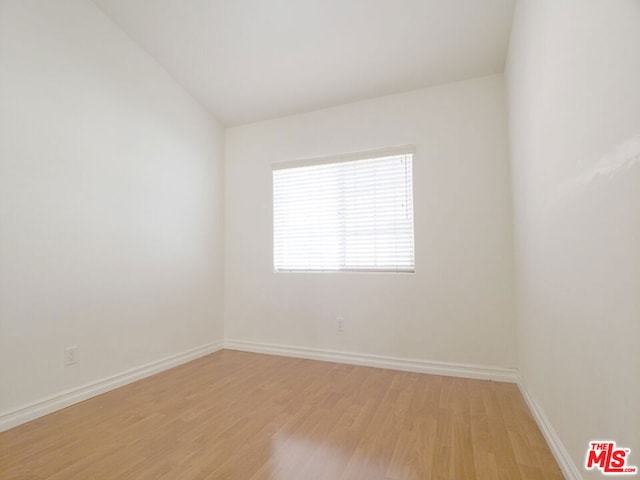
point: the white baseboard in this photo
(409, 365)
(61, 400)
(569, 469)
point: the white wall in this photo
(458, 307)
(574, 87)
(110, 204)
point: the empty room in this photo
(319, 239)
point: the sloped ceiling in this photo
(250, 60)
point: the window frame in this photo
(344, 158)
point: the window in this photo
(346, 214)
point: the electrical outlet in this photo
(340, 324)
(70, 355)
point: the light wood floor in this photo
(234, 415)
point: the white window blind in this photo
(345, 215)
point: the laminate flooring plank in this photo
(246, 416)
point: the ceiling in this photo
(250, 60)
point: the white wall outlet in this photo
(70, 355)
(340, 324)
